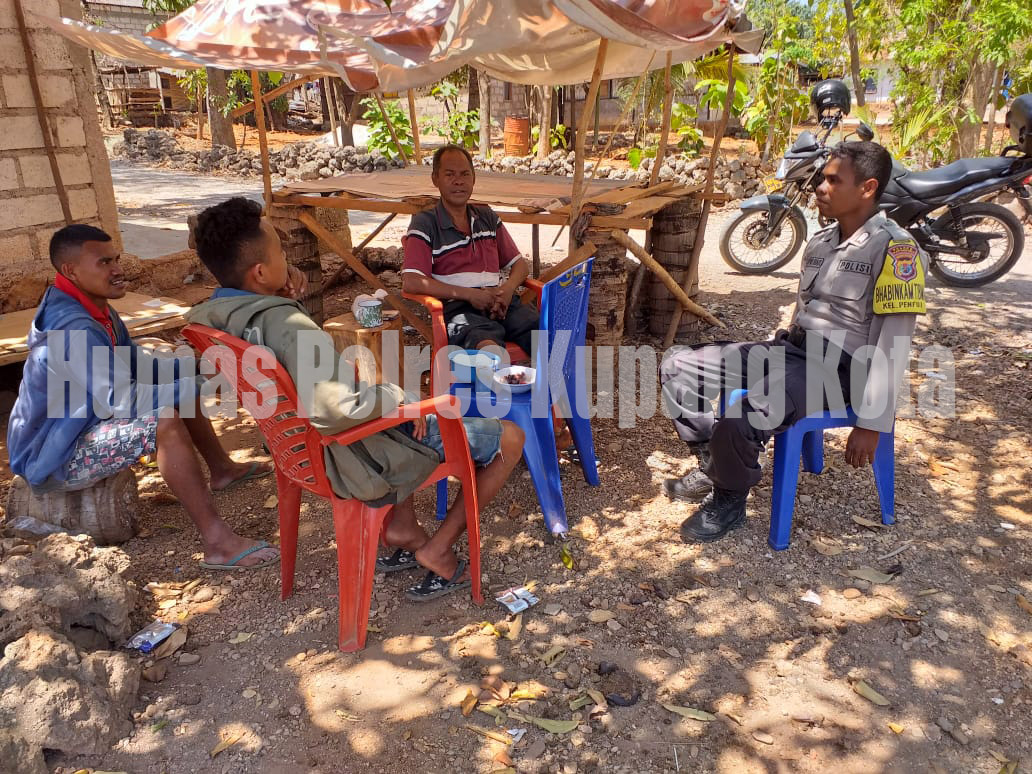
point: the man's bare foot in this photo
(444, 564)
(234, 545)
(237, 473)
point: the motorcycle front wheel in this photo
(746, 244)
(991, 232)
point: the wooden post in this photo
(535, 249)
(664, 135)
(263, 142)
(484, 85)
(623, 116)
(331, 108)
(41, 117)
(390, 128)
(416, 151)
(200, 114)
(582, 131)
(664, 276)
(693, 264)
(362, 271)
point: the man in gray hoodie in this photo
(245, 254)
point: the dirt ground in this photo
(721, 628)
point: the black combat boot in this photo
(696, 484)
(721, 512)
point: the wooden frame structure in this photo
(624, 207)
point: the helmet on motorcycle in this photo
(830, 94)
(1019, 121)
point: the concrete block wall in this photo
(30, 208)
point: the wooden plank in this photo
(579, 187)
(402, 208)
(363, 271)
(630, 193)
(139, 313)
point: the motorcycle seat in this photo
(952, 177)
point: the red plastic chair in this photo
(297, 450)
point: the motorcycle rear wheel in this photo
(739, 242)
(978, 221)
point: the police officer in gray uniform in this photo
(860, 291)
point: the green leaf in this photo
(690, 712)
(634, 157)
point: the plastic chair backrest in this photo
(257, 377)
(564, 307)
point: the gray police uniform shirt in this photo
(865, 291)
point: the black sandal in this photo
(434, 585)
(400, 560)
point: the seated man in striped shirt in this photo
(456, 252)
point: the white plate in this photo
(529, 373)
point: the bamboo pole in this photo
(664, 133)
(700, 236)
(331, 108)
(263, 142)
(363, 271)
(41, 117)
(390, 128)
(417, 152)
(664, 276)
(582, 130)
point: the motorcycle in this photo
(970, 244)
(771, 228)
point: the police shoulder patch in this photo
(900, 286)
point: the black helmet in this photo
(1019, 121)
(829, 95)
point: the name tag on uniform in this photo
(856, 267)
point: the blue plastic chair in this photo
(564, 307)
(805, 440)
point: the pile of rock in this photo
(737, 178)
(297, 161)
(63, 602)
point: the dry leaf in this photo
(468, 704)
(600, 616)
(553, 726)
(1000, 757)
(896, 728)
(870, 694)
(689, 712)
(346, 716)
(524, 695)
(498, 736)
(174, 642)
(552, 655)
(271, 502)
(240, 637)
(737, 718)
(165, 604)
(1024, 604)
(225, 744)
(867, 522)
(580, 702)
(503, 758)
(871, 575)
(928, 592)
(825, 549)
(514, 508)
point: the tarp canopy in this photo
(417, 42)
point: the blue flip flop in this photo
(253, 473)
(234, 563)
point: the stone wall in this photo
(30, 209)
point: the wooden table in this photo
(141, 314)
